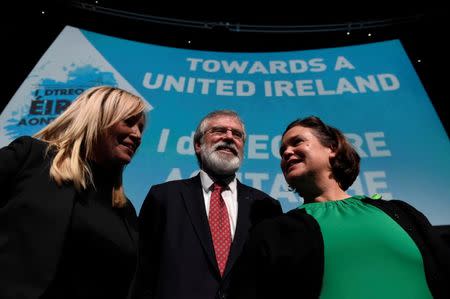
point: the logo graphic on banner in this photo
(70, 66)
(371, 92)
(50, 98)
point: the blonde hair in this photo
(74, 135)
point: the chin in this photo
(291, 177)
(122, 160)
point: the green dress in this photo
(367, 254)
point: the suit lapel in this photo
(131, 228)
(242, 225)
(193, 198)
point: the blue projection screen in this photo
(371, 92)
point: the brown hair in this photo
(345, 165)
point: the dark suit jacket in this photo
(177, 258)
(35, 215)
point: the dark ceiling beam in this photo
(239, 27)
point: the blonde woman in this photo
(66, 228)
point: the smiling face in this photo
(222, 145)
(303, 157)
(118, 145)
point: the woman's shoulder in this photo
(24, 146)
(28, 142)
(22, 157)
(129, 210)
(129, 213)
(401, 211)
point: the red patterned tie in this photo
(219, 225)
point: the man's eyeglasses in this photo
(222, 131)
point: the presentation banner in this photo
(371, 92)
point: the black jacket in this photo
(177, 259)
(35, 214)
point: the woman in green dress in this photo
(336, 245)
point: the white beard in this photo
(218, 163)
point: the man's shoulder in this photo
(170, 191)
(174, 184)
(255, 192)
(262, 204)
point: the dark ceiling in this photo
(227, 26)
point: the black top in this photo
(56, 242)
(99, 256)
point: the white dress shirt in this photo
(229, 195)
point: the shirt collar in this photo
(207, 182)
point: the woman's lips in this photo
(290, 164)
(130, 146)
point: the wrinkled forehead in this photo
(224, 121)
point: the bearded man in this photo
(192, 231)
